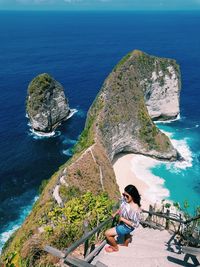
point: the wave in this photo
(189, 128)
(185, 151)
(141, 166)
(72, 112)
(169, 121)
(67, 152)
(13, 226)
(40, 135)
(69, 141)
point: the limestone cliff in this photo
(161, 84)
(118, 121)
(47, 105)
(123, 123)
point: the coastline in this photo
(54, 133)
(135, 169)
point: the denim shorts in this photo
(123, 229)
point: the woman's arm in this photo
(116, 213)
(134, 222)
(128, 222)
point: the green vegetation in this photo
(86, 138)
(66, 224)
(39, 84)
(9, 259)
(43, 185)
(36, 91)
(150, 134)
(148, 130)
(122, 61)
(61, 225)
(69, 192)
(149, 64)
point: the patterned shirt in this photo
(130, 214)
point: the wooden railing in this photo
(149, 221)
(88, 257)
(183, 227)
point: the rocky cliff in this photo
(160, 80)
(122, 122)
(47, 105)
(118, 121)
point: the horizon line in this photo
(102, 10)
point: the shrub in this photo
(68, 221)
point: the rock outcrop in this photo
(47, 105)
(122, 122)
(161, 84)
(118, 121)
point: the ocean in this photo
(79, 49)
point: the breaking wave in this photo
(13, 226)
(40, 135)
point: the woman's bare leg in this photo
(110, 235)
(127, 240)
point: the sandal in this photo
(110, 249)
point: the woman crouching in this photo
(129, 218)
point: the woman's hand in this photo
(116, 213)
(121, 219)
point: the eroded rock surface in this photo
(128, 100)
(47, 105)
(160, 80)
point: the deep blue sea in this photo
(79, 50)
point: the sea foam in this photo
(68, 141)
(141, 166)
(13, 226)
(169, 121)
(184, 150)
(72, 112)
(67, 152)
(39, 135)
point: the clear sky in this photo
(100, 4)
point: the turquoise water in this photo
(182, 179)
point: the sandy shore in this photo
(135, 169)
(125, 175)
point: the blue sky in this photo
(101, 4)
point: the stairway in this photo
(147, 249)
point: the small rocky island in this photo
(46, 104)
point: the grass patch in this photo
(122, 61)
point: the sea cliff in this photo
(46, 103)
(118, 121)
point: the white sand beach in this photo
(134, 169)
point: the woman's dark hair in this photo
(133, 192)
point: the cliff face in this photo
(47, 105)
(161, 83)
(124, 124)
(118, 121)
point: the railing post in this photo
(149, 218)
(86, 243)
(167, 220)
